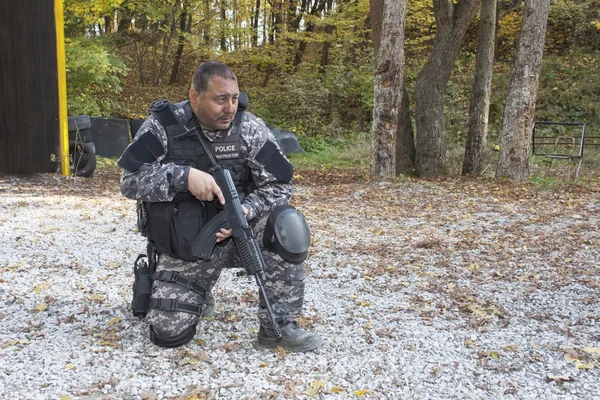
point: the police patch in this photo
(226, 150)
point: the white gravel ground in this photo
(434, 306)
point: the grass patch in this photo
(338, 153)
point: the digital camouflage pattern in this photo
(154, 182)
(284, 284)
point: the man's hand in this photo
(203, 186)
(225, 233)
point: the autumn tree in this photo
(452, 20)
(389, 70)
(482, 85)
(405, 139)
(519, 112)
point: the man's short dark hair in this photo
(208, 70)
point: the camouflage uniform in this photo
(154, 182)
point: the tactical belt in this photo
(174, 305)
(175, 277)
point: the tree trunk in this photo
(389, 74)
(317, 8)
(255, 23)
(482, 85)
(183, 22)
(223, 22)
(452, 21)
(519, 112)
(405, 138)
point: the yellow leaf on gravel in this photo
(262, 365)
(114, 320)
(112, 264)
(106, 343)
(24, 341)
(200, 342)
(64, 397)
(70, 366)
(336, 389)
(582, 365)
(592, 350)
(40, 287)
(362, 393)
(9, 342)
(494, 354)
(314, 388)
(41, 307)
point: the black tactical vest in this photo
(173, 226)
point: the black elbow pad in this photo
(275, 163)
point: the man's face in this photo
(216, 107)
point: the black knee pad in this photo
(173, 341)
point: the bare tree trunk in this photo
(519, 112)
(255, 23)
(482, 86)
(184, 22)
(389, 74)
(452, 21)
(223, 20)
(405, 138)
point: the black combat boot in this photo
(293, 338)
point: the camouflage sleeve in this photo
(270, 192)
(152, 181)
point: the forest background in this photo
(307, 65)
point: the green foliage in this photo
(94, 77)
(327, 153)
(569, 88)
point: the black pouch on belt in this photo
(142, 286)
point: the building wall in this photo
(29, 125)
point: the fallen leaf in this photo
(581, 365)
(315, 388)
(40, 287)
(262, 365)
(41, 307)
(336, 389)
(8, 343)
(592, 350)
(470, 343)
(362, 393)
(114, 320)
(70, 366)
(559, 378)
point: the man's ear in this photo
(193, 96)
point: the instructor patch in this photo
(275, 163)
(226, 150)
(145, 150)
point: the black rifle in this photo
(232, 217)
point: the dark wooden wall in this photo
(29, 126)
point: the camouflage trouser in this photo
(284, 283)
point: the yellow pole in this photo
(62, 87)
